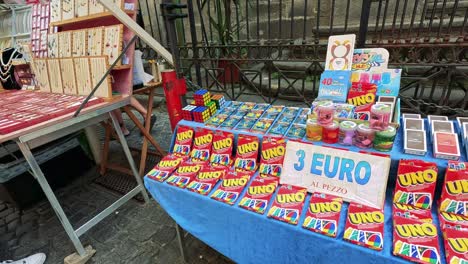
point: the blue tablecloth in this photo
(247, 237)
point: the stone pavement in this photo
(137, 233)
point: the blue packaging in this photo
(334, 85)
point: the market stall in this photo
(347, 179)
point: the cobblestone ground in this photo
(137, 233)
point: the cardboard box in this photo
(413, 124)
(415, 142)
(446, 146)
(387, 99)
(412, 116)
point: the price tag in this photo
(355, 177)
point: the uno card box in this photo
(408, 211)
(165, 167)
(415, 240)
(456, 246)
(272, 156)
(183, 141)
(288, 204)
(362, 95)
(247, 153)
(415, 142)
(185, 173)
(323, 214)
(415, 184)
(364, 226)
(454, 197)
(446, 146)
(231, 187)
(202, 143)
(206, 179)
(452, 221)
(223, 143)
(259, 194)
(413, 124)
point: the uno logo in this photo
(291, 198)
(169, 163)
(325, 207)
(362, 100)
(267, 189)
(420, 177)
(459, 245)
(457, 187)
(416, 230)
(182, 136)
(210, 175)
(454, 217)
(366, 218)
(189, 169)
(223, 143)
(235, 182)
(205, 139)
(247, 148)
(273, 152)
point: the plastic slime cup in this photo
(347, 131)
(313, 130)
(330, 133)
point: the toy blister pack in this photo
(272, 156)
(165, 167)
(261, 106)
(291, 111)
(362, 95)
(323, 214)
(232, 185)
(216, 120)
(202, 144)
(247, 106)
(415, 240)
(275, 109)
(454, 197)
(223, 143)
(246, 124)
(183, 141)
(415, 184)
(262, 125)
(206, 179)
(297, 131)
(286, 118)
(452, 221)
(408, 211)
(255, 114)
(258, 194)
(231, 122)
(288, 204)
(456, 247)
(279, 128)
(185, 173)
(365, 226)
(247, 153)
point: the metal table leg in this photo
(51, 197)
(124, 144)
(180, 240)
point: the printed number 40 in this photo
(299, 165)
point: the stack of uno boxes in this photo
(203, 106)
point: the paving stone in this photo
(145, 232)
(164, 235)
(28, 216)
(24, 228)
(3, 206)
(11, 226)
(6, 212)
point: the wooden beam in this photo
(139, 31)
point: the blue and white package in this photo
(334, 85)
(389, 83)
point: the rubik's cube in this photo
(202, 97)
(219, 100)
(212, 106)
(201, 114)
(187, 112)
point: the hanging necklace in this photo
(7, 66)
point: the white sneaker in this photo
(38, 258)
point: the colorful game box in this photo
(446, 146)
(288, 204)
(206, 179)
(165, 167)
(223, 143)
(202, 144)
(185, 173)
(456, 246)
(415, 240)
(362, 95)
(231, 187)
(452, 221)
(183, 141)
(258, 194)
(415, 184)
(323, 214)
(272, 156)
(334, 85)
(408, 211)
(247, 153)
(454, 197)
(365, 226)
